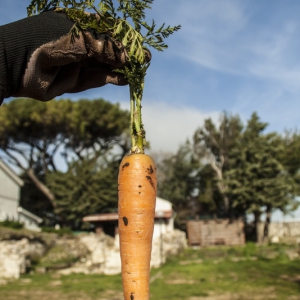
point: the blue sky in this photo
(235, 55)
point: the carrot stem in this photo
(132, 109)
(136, 125)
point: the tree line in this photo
(68, 154)
(231, 170)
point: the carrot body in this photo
(137, 196)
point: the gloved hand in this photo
(38, 58)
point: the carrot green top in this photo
(126, 24)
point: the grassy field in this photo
(239, 273)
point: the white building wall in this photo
(162, 205)
(162, 225)
(279, 230)
(29, 223)
(8, 209)
(9, 197)
(8, 188)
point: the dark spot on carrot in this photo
(151, 170)
(125, 220)
(150, 180)
(140, 186)
(132, 296)
(139, 192)
(125, 165)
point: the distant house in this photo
(163, 223)
(10, 189)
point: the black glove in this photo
(39, 59)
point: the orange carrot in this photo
(137, 196)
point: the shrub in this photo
(61, 231)
(12, 224)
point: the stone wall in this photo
(16, 256)
(104, 257)
(97, 254)
(280, 231)
(215, 232)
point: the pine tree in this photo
(257, 180)
(89, 186)
(213, 144)
(177, 183)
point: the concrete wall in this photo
(280, 230)
(215, 232)
(29, 223)
(163, 225)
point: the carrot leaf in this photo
(125, 23)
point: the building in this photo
(163, 223)
(10, 190)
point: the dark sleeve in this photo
(18, 40)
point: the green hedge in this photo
(12, 224)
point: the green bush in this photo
(250, 249)
(61, 231)
(12, 224)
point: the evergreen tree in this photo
(177, 183)
(210, 200)
(290, 156)
(212, 145)
(33, 134)
(256, 179)
(88, 187)
(251, 171)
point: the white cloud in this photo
(223, 37)
(168, 126)
(209, 37)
